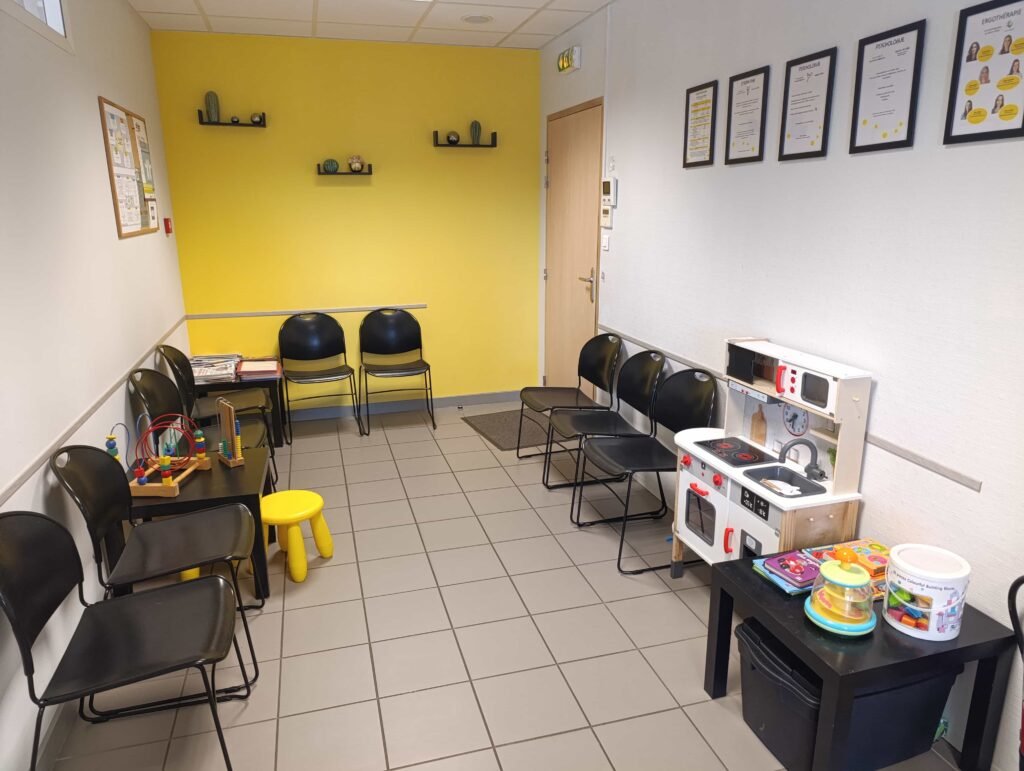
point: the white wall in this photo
(905, 263)
(78, 307)
(559, 91)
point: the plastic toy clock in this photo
(795, 419)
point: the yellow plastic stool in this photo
(286, 510)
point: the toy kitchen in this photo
(784, 473)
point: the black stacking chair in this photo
(596, 365)
(684, 400)
(395, 334)
(164, 547)
(251, 404)
(117, 642)
(634, 386)
(311, 337)
(154, 394)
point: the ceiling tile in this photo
(261, 26)
(450, 15)
(520, 40)
(576, 5)
(397, 13)
(553, 22)
(456, 37)
(165, 6)
(299, 10)
(179, 21)
(515, 3)
(362, 31)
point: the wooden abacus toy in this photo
(230, 435)
(174, 469)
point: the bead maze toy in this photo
(230, 435)
(174, 469)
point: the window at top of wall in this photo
(47, 11)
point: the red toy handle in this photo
(780, 374)
(696, 489)
(727, 546)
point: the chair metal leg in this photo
(428, 381)
(245, 627)
(626, 518)
(353, 392)
(35, 740)
(287, 429)
(366, 398)
(209, 682)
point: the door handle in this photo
(589, 280)
(696, 488)
(727, 539)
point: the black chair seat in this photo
(400, 369)
(249, 399)
(329, 375)
(166, 546)
(544, 398)
(591, 423)
(624, 455)
(144, 635)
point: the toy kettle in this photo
(841, 600)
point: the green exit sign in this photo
(569, 59)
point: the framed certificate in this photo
(807, 106)
(699, 135)
(745, 121)
(986, 97)
(885, 97)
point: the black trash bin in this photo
(782, 698)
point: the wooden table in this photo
(274, 385)
(204, 489)
(847, 666)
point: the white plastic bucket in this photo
(926, 588)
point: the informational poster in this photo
(748, 110)
(807, 105)
(130, 168)
(986, 99)
(885, 97)
(699, 136)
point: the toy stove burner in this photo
(735, 451)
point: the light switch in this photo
(606, 242)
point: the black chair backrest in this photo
(181, 370)
(153, 392)
(39, 567)
(98, 486)
(389, 331)
(598, 358)
(685, 399)
(638, 380)
(310, 337)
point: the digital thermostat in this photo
(609, 191)
(606, 216)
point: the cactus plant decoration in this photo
(330, 166)
(474, 132)
(212, 107)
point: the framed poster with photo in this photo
(986, 96)
(746, 118)
(699, 133)
(807, 106)
(885, 96)
(130, 169)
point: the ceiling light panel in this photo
(362, 32)
(452, 16)
(397, 13)
(297, 10)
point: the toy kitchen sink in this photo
(735, 496)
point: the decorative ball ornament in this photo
(355, 163)
(256, 118)
(453, 137)
(235, 119)
(330, 166)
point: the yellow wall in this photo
(455, 229)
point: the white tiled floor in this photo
(463, 624)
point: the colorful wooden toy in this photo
(230, 434)
(174, 469)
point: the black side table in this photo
(847, 666)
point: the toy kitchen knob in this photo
(717, 480)
(687, 460)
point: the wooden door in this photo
(572, 238)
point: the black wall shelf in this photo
(367, 171)
(493, 143)
(240, 124)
